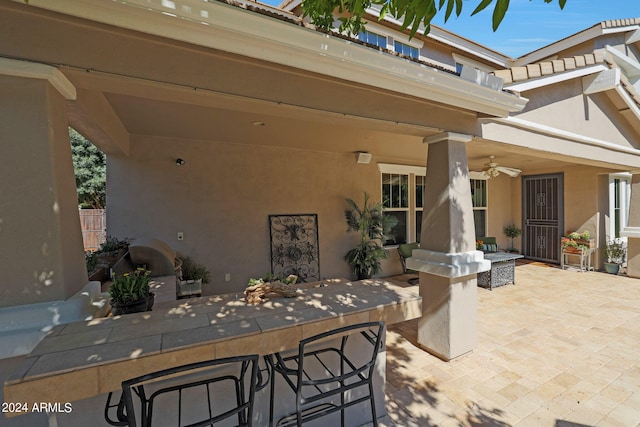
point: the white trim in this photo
(395, 35)
(450, 265)
(630, 67)
(555, 78)
(401, 169)
(632, 232)
(478, 175)
(559, 133)
(463, 60)
(564, 44)
(625, 199)
(569, 42)
(32, 70)
(447, 136)
(242, 32)
(633, 107)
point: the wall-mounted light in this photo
(180, 162)
(363, 157)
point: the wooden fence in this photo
(94, 227)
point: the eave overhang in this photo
(232, 29)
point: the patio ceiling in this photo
(150, 85)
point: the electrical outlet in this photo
(227, 277)
(180, 235)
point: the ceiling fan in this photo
(492, 169)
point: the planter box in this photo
(591, 243)
(187, 288)
(571, 250)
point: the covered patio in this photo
(560, 348)
(557, 349)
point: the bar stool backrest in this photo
(201, 393)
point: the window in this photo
(395, 197)
(403, 198)
(373, 38)
(403, 190)
(406, 50)
(419, 205)
(479, 202)
(619, 197)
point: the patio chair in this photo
(325, 378)
(405, 251)
(203, 393)
(489, 244)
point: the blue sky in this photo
(531, 24)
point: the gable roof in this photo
(601, 28)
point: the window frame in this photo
(624, 198)
(479, 176)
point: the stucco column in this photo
(632, 230)
(41, 251)
(447, 259)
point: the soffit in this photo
(253, 35)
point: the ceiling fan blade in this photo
(512, 172)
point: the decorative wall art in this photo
(294, 246)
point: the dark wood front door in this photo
(542, 214)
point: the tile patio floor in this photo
(560, 348)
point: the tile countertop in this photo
(93, 357)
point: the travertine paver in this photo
(560, 348)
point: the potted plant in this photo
(130, 292)
(100, 262)
(615, 252)
(512, 231)
(371, 223)
(257, 289)
(190, 276)
(576, 243)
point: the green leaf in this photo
(498, 12)
(481, 6)
(562, 3)
(449, 10)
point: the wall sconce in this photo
(363, 157)
(180, 162)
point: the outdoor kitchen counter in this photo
(85, 359)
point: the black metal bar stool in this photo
(320, 376)
(198, 394)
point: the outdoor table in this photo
(86, 359)
(503, 270)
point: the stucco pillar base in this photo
(448, 287)
(448, 326)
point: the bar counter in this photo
(85, 359)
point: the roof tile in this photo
(558, 65)
(504, 75)
(546, 68)
(534, 70)
(519, 73)
(569, 63)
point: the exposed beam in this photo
(605, 80)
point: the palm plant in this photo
(371, 222)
